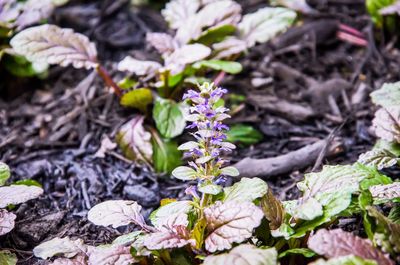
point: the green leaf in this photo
(179, 207)
(138, 98)
(365, 200)
(7, 258)
(394, 214)
(4, 173)
(215, 34)
(198, 232)
(219, 65)
(21, 67)
(309, 210)
(127, 239)
(392, 147)
(28, 182)
(346, 260)
(127, 83)
(230, 171)
(210, 188)
(246, 190)
(169, 118)
(308, 253)
(374, 6)
(184, 173)
(166, 156)
(388, 95)
(243, 134)
(374, 177)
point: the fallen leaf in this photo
(53, 45)
(273, 210)
(244, 255)
(16, 194)
(135, 141)
(337, 243)
(230, 222)
(264, 24)
(138, 67)
(60, 246)
(386, 124)
(116, 213)
(7, 221)
(105, 147)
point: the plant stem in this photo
(108, 80)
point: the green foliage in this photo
(219, 65)
(374, 6)
(7, 258)
(244, 134)
(166, 156)
(216, 34)
(168, 116)
(139, 98)
(4, 173)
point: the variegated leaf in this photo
(116, 213)
(177, 12)
(338, 243)
(186, 54)
(162, 42)
(229, 47)
(135, 141)
(386, 192)
(7, 221)
(53, 45)
(230, 222)
(138, 67)
(16, 194)
(60, 246)
(386, 124)
(115, 255)
(34, 11)
(159, 216)
(264, 24)
(379, 158)
(246, 190)
(244, 255)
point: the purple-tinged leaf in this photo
(79, 259)
(345, 260)
(138, 67)
(7, 221)
(116, 213)
(162, 42)
(230, 222)
(177, 12)
(187, 54)
(16, 194)
(135, 140)
(105, 147)
(386, 192)
(337, 243)
(245, 255)
(60, 246)
(115, 255)
(379, 158)
(53, 45)
(386, 124)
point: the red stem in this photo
(218, 79)
(108, 80)
(352, 39)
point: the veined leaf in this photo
(245, 255)
(7, 221)
(162, 42)
(184, 173)
(16, 194)
(4, 173)
(168, 117)
(219, 65)
(394, 214)
(177, 12)
(116, 213)
(229, 47)
(230, 171)
(246, 190)
(7, 258)
(230, 222)
(386, 192)
(159, 216)
(386, 124)
(337, 243)
(166, 156)
(127, 239)
(80, 259)
(58, 246)
(387, 233)
(273, 210)
(138, 67)
(387, 96)
(138, 98)
(297, 5)
(187, 54)
(264, 24)
(346, 260)
(116, 255)
(53, 45)
(391, 147)
(134, 140)
(379, 158)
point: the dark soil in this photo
(50, 129)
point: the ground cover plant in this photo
(275, 127)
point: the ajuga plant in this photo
(14, 17)
(207, 36)
(11, 195)
(240, 224)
